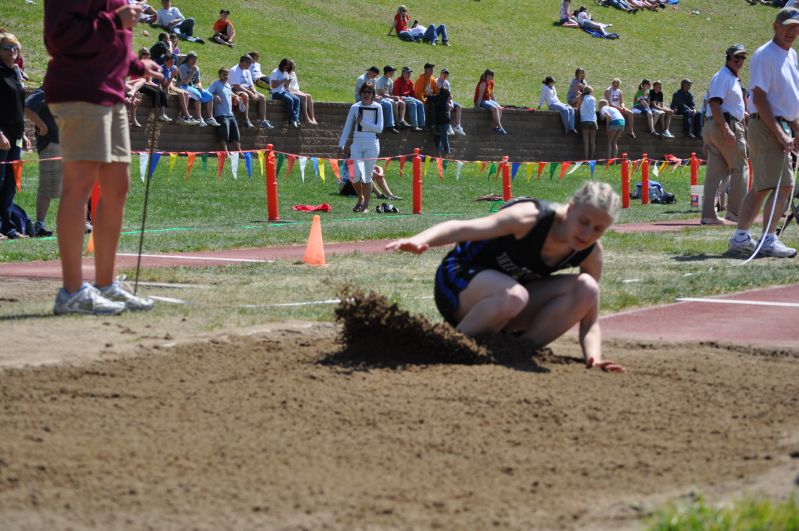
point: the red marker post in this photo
(417, 182)
(507, 187)
(645, 180)
(625, 181)
(271, 185)
(694, 170)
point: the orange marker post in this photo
(749, 165)
(645, 180)
(625, 181)
(694, 169)
(507, 187)
(271, 185)
(417, 182)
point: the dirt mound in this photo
(378, 333)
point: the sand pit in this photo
(294, 430)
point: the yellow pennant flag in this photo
(426, 165)
(529, 171)
(173, 157)
(261, 162)
(322, 169)
(665, 163)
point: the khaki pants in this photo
(770, 163)
(724, 160)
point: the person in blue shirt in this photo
(227, 132)
(50, 176)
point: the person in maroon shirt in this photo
(90, 45)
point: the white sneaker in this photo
(459, 131)
(743, 249)
(117, 293)
(450, 131)
(212, 122)
(200, 123)
(777, 249)
(667, 134)
(249, 125)
(266, 124)
(185, 121)
(164, 118)
(86, 301)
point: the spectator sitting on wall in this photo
(224, 31)
(306, 101)
(682, 102)
(575, 92)
(171, 19)
(384, 88)
(170, 72)
(279, 87)
(455, 125)
(258, 77)
(484, 97)
(243, 86)
(425, 87)
(414, 109)
(656, 101)
(161, 48)
(190, 81)
(549, 97)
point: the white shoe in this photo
(667, 134)
(459, 131)
(450, 131)
(266, 124)
(185, 121)
(201, 123)
(117, 293)
(777, 249)
(248, 124)
(164, 118)
(743, 249)
(212, 122)
(86, 301)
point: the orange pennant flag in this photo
(292, 159)
(608, 163)
(402, 165)
(482, 167)
(17, 167)
(635, 167)
(540, 169)
(351, 168)
(220, 160)
(189, 163)
(440, 165)
(334, 167)
(385, 165)
(563, 168)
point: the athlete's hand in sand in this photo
(605, 365)
(129, 15)
(151, 69)
(409, 245)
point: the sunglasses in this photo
(9, 47)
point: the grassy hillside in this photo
(334, 41)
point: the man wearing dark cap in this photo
(224, 31)
(384, 87)
(682, 102)
(425, 89)
(725, 137)
(388, 112)
(774, 85)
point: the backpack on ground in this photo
(20, 218)
(657, 194)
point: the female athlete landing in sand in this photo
(499, 275)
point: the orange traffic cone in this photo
(315, 251)
(90, 245)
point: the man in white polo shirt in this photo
(244, 87)
(774, 85)
(725, 137)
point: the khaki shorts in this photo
(50, 172)
(92, 132)
(769, 161)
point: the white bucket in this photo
(697, 195)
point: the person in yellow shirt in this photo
(425, 87)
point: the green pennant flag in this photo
(204, 158)
(445, 165)
(553, 167)
(492, 170)
(280, 158)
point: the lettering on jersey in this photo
(510, 268)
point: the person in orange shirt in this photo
(224, 31)
(425, 87)
(484, 97)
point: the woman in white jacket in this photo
(366, 120)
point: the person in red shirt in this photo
(400, 25)
(224, 31)
(404, 89)
(92, 38)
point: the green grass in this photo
(749, 515)
(334, 41)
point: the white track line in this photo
(169, 300)
(209, 258)
(168, 285)
(736, 301)
(289, 304)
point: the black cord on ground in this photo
(153, 140)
